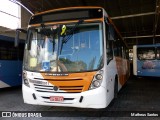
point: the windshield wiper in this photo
(70, 34)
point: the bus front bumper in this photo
(95, 98)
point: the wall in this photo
(25, 16)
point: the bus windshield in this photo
(146, 53)
(64, 48)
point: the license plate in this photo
(57, 98)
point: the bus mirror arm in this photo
(21, 30)
(16, 42)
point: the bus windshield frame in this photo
(82, 50)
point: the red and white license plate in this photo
(57, 98)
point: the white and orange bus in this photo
(73, 57)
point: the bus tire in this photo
(116, 88)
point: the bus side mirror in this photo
(16, 42)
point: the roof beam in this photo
(133, 15)
(145, 36)
(9, 14)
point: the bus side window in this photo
(120, 51)
(123, 52)
(109, 43)
(115, 49)
(8, 51)
(109, 51)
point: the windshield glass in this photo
(64, 48)
(146, 53)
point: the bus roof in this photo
(67, 8)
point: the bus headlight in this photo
(96, 83)
(97, 80)
(25, 80)
(99, 77)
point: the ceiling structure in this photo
(137, 20)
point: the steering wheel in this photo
(61, 66)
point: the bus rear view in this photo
(146, 60)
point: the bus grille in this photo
(61, 89)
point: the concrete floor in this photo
(139, 95)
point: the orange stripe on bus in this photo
(67, 8)
(71, 82)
